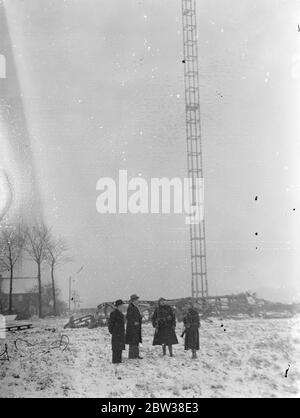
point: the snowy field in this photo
(249, 359)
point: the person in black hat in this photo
(164, 322)
(133, 328)
(116, 326)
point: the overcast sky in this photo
(102, 86)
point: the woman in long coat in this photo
(191, 330)
(133, 328)
(164, 322)
(116, 326)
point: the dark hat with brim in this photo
(119, 302)
(134, 297)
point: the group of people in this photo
(164, 323)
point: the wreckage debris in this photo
(239, 306)
(12, 328)
(81, 322)
(4, 356)
(62, 343)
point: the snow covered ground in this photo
(249, 359)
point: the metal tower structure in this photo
(194, 146)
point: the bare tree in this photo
(56, 256)
(11, 246)
(37, 238)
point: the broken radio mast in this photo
(194, 146)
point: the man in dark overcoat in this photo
(164, 322)
(133, 328)
(116, 326)
(191, 330)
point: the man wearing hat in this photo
(116, 326)
(133, 328)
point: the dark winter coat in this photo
(116, 326)
(164, 322)
(192, 323)
(134, 325)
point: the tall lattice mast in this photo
(194, 148)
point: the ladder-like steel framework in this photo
(194, 147)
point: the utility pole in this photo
(70, 289)
(70, 292)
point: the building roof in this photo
(21, 285)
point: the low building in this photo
(24, 296)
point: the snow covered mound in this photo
(246, 358)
